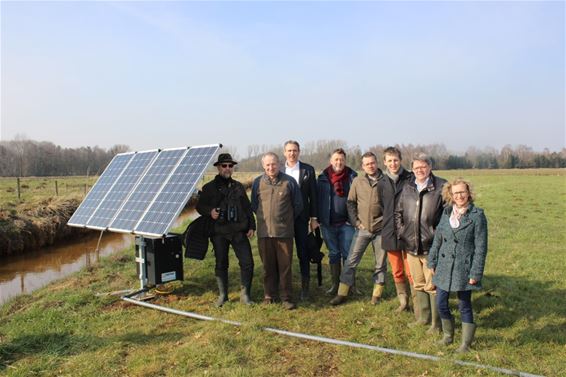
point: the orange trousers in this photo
(399, 266)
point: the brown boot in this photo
(341, 296)
(403, 297)
(377, 293)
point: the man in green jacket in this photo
(365, 213)
(277, 202)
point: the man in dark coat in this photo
(390, 188)
(417, 214)
(226, 202)
(305, 177)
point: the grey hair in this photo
(422, 157)
(269, 154)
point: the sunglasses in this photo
(227, 165)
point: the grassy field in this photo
(35, 190)
(65, 329)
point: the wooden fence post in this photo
(19, 190)
(56, 189)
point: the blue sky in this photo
(164, 74)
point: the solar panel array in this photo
(100, 189)
(144, 192)
(110, 205)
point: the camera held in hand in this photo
(221, 215)
(228, 214)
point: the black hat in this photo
(224, 158)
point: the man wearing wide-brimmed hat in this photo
(226, 202)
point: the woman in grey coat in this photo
(457, 258)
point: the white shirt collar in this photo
(294, 171)
(423, 186)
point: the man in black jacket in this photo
(226, 202)
(417, 214)
(305, 176)
(390, 188)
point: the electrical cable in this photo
(99, 239)
(322, 339)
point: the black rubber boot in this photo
(222, 290)
(246, 288)
(305, 284)
(245, 295)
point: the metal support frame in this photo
(141, 259)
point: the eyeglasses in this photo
(227, 166)
(418, 168)
(460, 193)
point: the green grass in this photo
(36, 189)
(65, 329)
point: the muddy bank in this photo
(46, 225)
(34, 228)
(43, 226)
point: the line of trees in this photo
(23, 157)
(317, 154)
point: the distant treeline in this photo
(317, 154)
(24, 158)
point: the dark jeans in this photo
(464, 305)
(301, 233)
(243, 250)
(338, 240)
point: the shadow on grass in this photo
(503, 303)
(508, 300)
(64, 344)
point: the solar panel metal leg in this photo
(141, 259)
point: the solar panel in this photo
(175, 193)
(146, 190)
(109, 206)
(100, 189)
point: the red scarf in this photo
(338, 180)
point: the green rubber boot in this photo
(468, 332)
(435, 326)
(423, 305)
(447, 331)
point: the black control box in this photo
(164, 259)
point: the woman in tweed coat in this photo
(457, 258)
